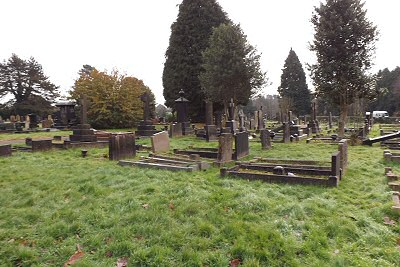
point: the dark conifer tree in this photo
(294, 85)
(190, 35)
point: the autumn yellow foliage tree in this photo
(114, 99)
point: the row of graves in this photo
(233, 146)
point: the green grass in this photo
(52, 201)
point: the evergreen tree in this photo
(231, 67)
(344, 42)
(190, 35)
(294, 85)
(25, 81)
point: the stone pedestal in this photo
(83, 133)
(232, 125)
(146, 128)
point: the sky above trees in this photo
(133, 36)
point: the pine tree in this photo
(190, 35)
(32, 91)
(231, 67)
(344, 42)
(294, 85)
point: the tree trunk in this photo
(342, 118)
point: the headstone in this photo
(33, 122)
(260, 118)
(12, 118)
(18, 118)
(83, 131)
(225, 148)
(241, 145)
(265, 137)
(290, 116)
(218, 119)
(66, 116)
(343, 148)
(146, 127)
(231, 123)
(5, 150)
(175, 130)
(313, 124)
(210, 128)
(46, 123)
(242, 127)
(121, 146)
(286, 132)
(160, 142)
(41, 145)
(181, 105)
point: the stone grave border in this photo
(394, 184)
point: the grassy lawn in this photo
(51, 202)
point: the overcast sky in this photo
(133, 35)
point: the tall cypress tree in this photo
(293, 86)
(190, 35)
(344, 42)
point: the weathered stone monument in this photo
(210, 128)
(65, 117)
(146, 127)
(231, 123)
(175, 130)
(241, 145)
(265, 136)
(160, 142)
(181, 105)
(121, 146)
(225, 148)
(313, 124)
(83, 131)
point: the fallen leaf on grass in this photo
(234, 263)
(145, 206)
(388, 221)
(123, 262)
(74, 258)
(171, 205)
(109, 254)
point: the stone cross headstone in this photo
(146, 106)
(84, 109)
(265, 136)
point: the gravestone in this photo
(41, 145)
(33, 122)
(175, 130)
(18, 118)
(146, 127)
(242, 127)
(286, 132)
(265, 136)
(160, 142)
(224, 148)
(218, 119)
(313, 124)
(12, 118)
(210, 128)
(47, 123)
(252, 124)
(181, 105)
(5, 150)
(83, 131)
(66, 116)
(241, 145)
(343, 148)
(27, 122)
(231, 123)
(121, 146)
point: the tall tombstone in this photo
(181, 105)
(265, 136)
(313, 124)
(146, 127)
(210, 128)
(260, 119)
(231, 123)
(286, 132)
(83, 131)
(330, 120)
(225, 148)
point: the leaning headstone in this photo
(160, 142)
(41, 145)
(121, 146)
(241, 145)
(5, 150)
(225, 148)
(265, 136)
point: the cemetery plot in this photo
(288, 172)
(167, 163)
